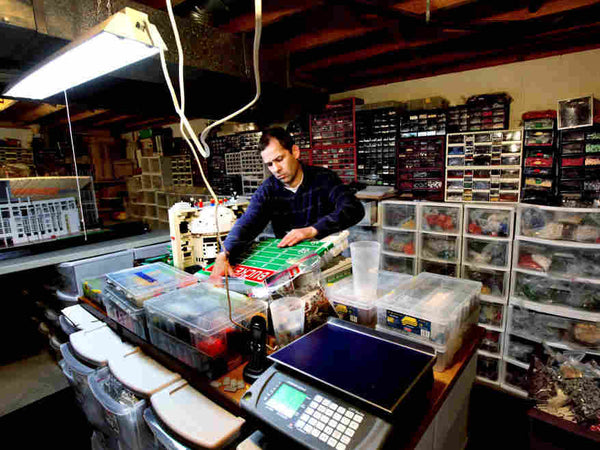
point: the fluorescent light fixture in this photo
(124, 38)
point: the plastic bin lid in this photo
(437, 298)
(204, 308)
(194, 417)
(343, 290)
(97, 345)
(144, 282)
(140, 373)
(81, 318)
(72, 362)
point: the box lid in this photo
(144, 282)
(140, 373)
(204, 308)
(81, 318)
(97, 345)
(343, 290)
(194, 417)
(437, 298)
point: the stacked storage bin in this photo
(127, 290)
(440, 238)
(487, 235)
(433, 309)
(555, 287)
(399, 236)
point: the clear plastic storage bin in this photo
(93, 288)
(494, 283)
(434, 309)
(492, 342)
(399, 215)
(492, 314)
(73, 273)
(122, 410)
(400, 242)
(399, 264)
(488, 368)
(490, 253)
(439, 268)
(353, 308)
(123, 312)
(443, 218)
(492, 221)
(193, 325)
(555, 223)
(440, 248)
(138, 284)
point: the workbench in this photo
(442, 425)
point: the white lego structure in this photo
(194, 233)
(26, 221)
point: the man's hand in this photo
(218, 271)
(298, 235)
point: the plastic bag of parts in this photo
(556, 225)
(543, 290)
(489, 222)
(488, 253)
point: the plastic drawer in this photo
(399, 264)
(401, 215)
(492, 221)
(441, 217)
(401, 242)
(492, 314)
(440, 268)
(555, 223)
(495, 283)
(492, 342)
(488, 368)
(489, 253)
(439, 248)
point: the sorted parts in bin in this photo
(194, 417)
(139, 284)
(140, 373)
(552, 223)
(99, 344)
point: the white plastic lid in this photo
(140, 373)
(81, 318)
(343, 290)
(437, 298)
(97, 345)
(194, 417)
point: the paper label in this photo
(408, 324)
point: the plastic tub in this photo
(163, 436)
(434, 309)
(77, 375)
(151, 251)
(122, 410)
(361, 310)
(73, 273)
(97, 345)
(93, 288)
(142, 283)
(192, 324)
(131, 317)
(288, 319)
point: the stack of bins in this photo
(488, 232)
(193, 325)
(399, 238)
(433, 309)
(122, 410)
(127, 290)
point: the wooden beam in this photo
(38, 111)
(273, 12)
(547, 8)
(118, 118)
(323, 37)
(420, 6)
(82, 116)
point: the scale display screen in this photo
(286, 400)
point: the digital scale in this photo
(341, 386)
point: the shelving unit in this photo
(333, 138)
(539, 154)
(420, 168)
(399, 236)
(486, 257)
(484, 166)
(440, 238)
(555, 286)
(377, 135)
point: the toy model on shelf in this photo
(420, 170)
(486, 257)
(539, 154)
(333, 138)
(376, 133)
(555, 287)
(484, 166)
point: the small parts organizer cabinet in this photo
(486, 257)
(555, 287)
(399, 236)
(420, 168)
(484, 166)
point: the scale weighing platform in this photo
(341, 386)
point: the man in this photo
(302, 202)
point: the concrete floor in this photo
(28, 380)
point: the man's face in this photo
(281, 162)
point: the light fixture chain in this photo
(98, 6)
(108, 7)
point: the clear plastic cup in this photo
(365, 267)
(288, 319)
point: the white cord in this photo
(75, 164)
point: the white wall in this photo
(533, 85)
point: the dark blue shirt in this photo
(321, 201)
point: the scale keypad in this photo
(329, 422)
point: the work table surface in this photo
(82, 251)
(442, 385)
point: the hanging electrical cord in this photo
(186, 128)
(75, 164)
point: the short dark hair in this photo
(283, 137)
